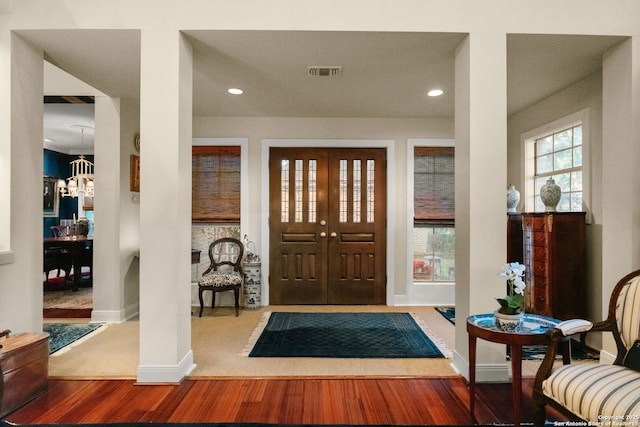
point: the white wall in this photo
(399, 130)
(585, 95)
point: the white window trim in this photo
(528, 145)
(423, 293)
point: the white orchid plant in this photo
(513, 273)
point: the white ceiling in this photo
(384, 74)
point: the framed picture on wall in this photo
(134, 184)
(50, 196)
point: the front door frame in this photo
(387, 144)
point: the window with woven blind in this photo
(215, 186)
(434, 185)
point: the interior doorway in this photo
(327, 215)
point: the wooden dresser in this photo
(24, 360)
(554, 252)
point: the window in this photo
(216, 184)
(559, 156)
(558, 150)
(434, 213)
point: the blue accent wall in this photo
(57, 165)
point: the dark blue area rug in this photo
(63, 334)
(344, 335)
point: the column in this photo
(165, 206)
(21, 164)
(481, 171)
(620, 176)
(107, 278)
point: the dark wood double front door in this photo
(327, 219)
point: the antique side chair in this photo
(596, 392)
(224, 272)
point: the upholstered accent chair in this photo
(591, 391)
(224, 272)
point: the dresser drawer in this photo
(25, 356)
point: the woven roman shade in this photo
(434, 185)
(215, 186)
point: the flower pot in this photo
(508, 322)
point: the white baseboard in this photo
(132, 311)
(110, 316)
(426, 294)
(6, 257)
(607, 358)
(485, 372)
(166, 374)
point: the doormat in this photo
(63, 336)
(344, 335)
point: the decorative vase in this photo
(550, 194)
(513, 198)
(508, 322)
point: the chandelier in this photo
(81, 180)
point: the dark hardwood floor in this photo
(393, 401)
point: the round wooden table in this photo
(532, 332)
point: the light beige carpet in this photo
(220, 342)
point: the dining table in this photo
(75, 245)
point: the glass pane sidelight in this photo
(299, 189)
(343, 201)
(299, 181)
(284, 191)
(357, 190)
(362, 186)
(313, 186)
(370, 190)
(433, 253)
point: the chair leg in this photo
(201, 301)
(236, 293)
(213, 299)
(539, 415)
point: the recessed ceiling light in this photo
(435, 92)
(235, 91)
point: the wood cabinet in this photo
(554, 253)
(24, 364)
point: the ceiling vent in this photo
(318, 71)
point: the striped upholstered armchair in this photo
(597, 392)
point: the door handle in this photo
(323, 222)
(334, 234)
(323, 234)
